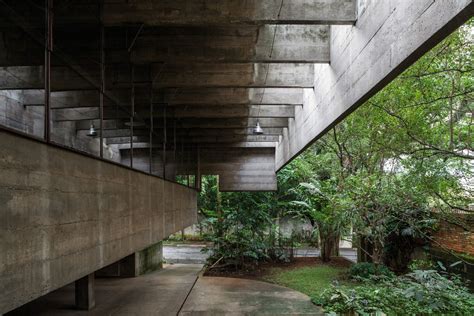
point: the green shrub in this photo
(416, 293)
(421, 264)
(366, 270)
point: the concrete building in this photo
(111, 110)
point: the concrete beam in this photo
(224, 12)
(240, 169)
(267, 111)
(233, 96)
(387, 38)
(260, 44)
(181, 132)
(287, 75)
(198, 139)
(234, 75)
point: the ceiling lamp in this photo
(258, 129)
(92, 132)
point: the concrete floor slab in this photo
(159, 293)
(174, 290)
(230, 296)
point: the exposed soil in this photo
(259, 272)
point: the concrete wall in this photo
(64, 215)
(387, 38)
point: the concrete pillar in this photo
(85, 298)
(146, 260)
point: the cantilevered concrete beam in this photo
(224, 12)
(388, 37)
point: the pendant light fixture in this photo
(92, 131)
(257, 130)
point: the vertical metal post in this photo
(132, 102)
(174, 149)
(198, 171)
(47, 68)
(151, 128)
(188, 163)
(102, 79)
(164, 141)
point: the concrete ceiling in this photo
(212, 64)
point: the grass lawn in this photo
(311, 281)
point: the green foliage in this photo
(390, 170)
(416, 293)
(421, 264)
(366, 270)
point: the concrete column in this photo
(85, 298)
(146, 260)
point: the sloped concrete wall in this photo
(64, 215)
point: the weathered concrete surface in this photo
(229, 296)
(240, 169)
(209, 12)
(158, 293)
(387, 38)
(165, 292)
(141, 262)
(66, 215)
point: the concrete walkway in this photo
(177, 290)
(228, 296)
(159, 293)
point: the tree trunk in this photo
(329, 244)
(377, 255)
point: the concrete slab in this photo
(159, 293)
(229, 296)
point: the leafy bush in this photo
(366, 270)
(416, 293)
(421, 264)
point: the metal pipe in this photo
(47, 69)
(164, 141)
(102, 78)
(135, 38)
(132, 100)
(151, 128)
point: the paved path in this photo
(228, 296)
(191, 253)
(159, 293)
(173, 289)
